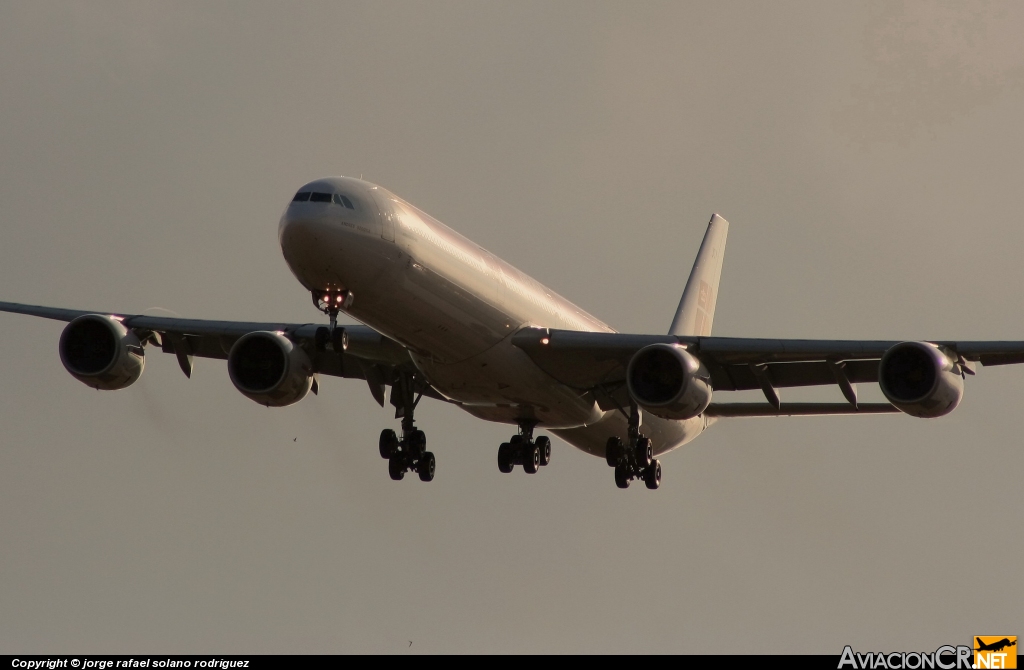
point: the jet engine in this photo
(668, 381)
(100, 352)
(920, 379)
(270, 369)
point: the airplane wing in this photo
(369, 356)
(597, 362)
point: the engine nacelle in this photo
(668, 381)
(100, 352)
(918, 378)
(270, 369)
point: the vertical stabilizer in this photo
(697, 306)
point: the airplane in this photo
(445, 319)
(998, 645)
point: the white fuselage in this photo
(454, 306)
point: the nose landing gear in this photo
(330, 303)
(634, 460)
(523, 450)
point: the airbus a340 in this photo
(448, 320)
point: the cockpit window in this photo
(314, 196)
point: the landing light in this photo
(545, 340)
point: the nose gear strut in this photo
(634, 460)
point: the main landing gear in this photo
(634, 460)
(410, 452)
(523, 450)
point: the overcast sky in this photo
(868, 157)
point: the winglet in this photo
(696, 309)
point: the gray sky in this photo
(867, 156)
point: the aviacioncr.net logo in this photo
(946, 657)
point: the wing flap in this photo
(761, 409)
(736, 377)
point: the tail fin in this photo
(696, 308)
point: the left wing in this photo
(370, 355)
(597, 362)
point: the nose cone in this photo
(304, 232)
(306, 243)
(326, 229)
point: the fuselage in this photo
(453, 305)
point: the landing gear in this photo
(410, 452)
(635, 459)
(523, 450)
(330, 303)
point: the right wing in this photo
(370, 355)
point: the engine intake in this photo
(270, 369)
(100, 352)
(918, 378)
(668, 381)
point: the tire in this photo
(505, 463)
(531, 458)
(621, 476)
(652, 476)
(516, 439)
(388, 443)
(544, 445)
(320, 338)
(613, 451)
(396, 468)
(426, 467)
(644, 452)
(417, 443)
(339, 340)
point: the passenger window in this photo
(320, 197)
(301, 196)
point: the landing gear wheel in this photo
(544, 445)
(425, 468)
(652, 475)
(396, 468)
(531, 458)
(622, 476)
(644, 452)
(388, 443)
(417, 443)
(321, 337)
(505, 458)
(339, 340)
(613, 451)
